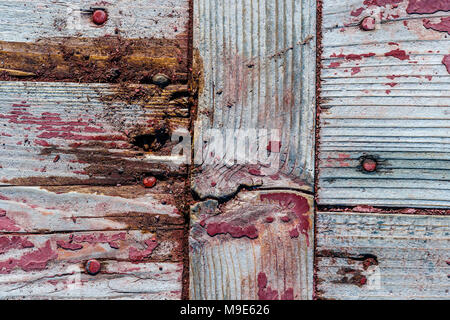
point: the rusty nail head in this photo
(93, 267)
(369, 165)
(149, 182)
(368, 23)
(99, 16)
(161, 80)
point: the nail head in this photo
(93, 267)
(99, 17)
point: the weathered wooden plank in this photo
(25, 21)
(382, 256)
(117, 280)
(87, 133)
(48, 235)
(385, 97)
(69, 209)
(257, 246)
(256, 67)
(58, 41)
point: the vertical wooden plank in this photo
(257, 66)
(255, 61)
(260, 245)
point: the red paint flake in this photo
(446, 62)
(388, 91)
(429, 78)
(213, 184)
(36, 260)
(6, 224)
(357, 12)
(149, 182)
(101, 238)
(255, 172)
(294, 233)
(56, 159)
(427, 6)
(356, 70)
(42, 143)
(269, 219)
(288, 294)
(264, 291)
(285, 219)
(392, 84)
(297, 204)
(393, 44)
(202, 223)
(15, 242)
(67, 245)
(274, 146)
(235, 231)
(139, 255)
(363, 280)
(334, 65)
(405, 23)
(443, 26)
(381, 3)
(399, 54)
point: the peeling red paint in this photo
(288, 294)
(139, 255)
(427, 6)
(334, 65)
(36, 260)
(264, 291)
(381, 3)
(357, 12)
(285, 219)
(353, 56)
(443, 26)
(101, 238)
(15, 242)
(6, 224)
(274, 146)
(446, 62)
(392, 84)
(269, 219)
(235, 231)
(67, 245)
(298, 205)
(356, 70)
(399, 54)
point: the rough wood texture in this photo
(384, 95)
(83, 133)
(256, 64)
(382, 256)
(25, 21)
(256, 246)
(46, 237)
(90, 139)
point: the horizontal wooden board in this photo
(87, 133)
(257, 246)
(118, 280)
(256, 67)
(25, 21)
(48, 235)
(384, 96)
(382, 256)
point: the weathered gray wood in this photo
(382, 256)
(71, 133)
(260, 245)
(256, 66)
(47, 236)
(384, 94)
(23, 21)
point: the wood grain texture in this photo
(384, 95)
(24, 21)
(83, 133)
(382, 256)
(47, 236)
(256, 64)
(257, 246)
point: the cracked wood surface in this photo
(385, 95)
(382, 256)
(259, 245)
(83, 121)
(256, 62)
